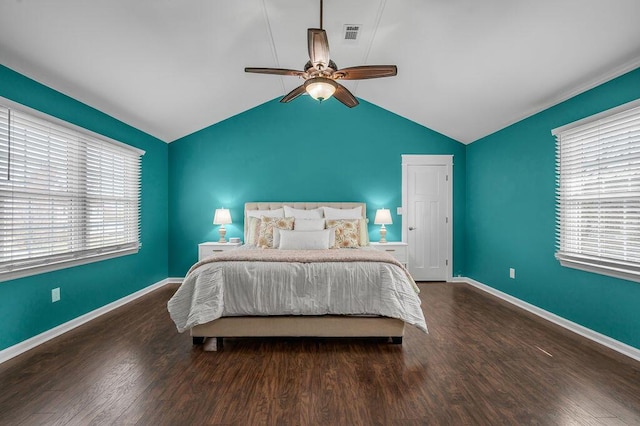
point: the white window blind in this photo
(598, 193)
(4, 143)
(66, 196)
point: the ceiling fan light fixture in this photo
(320, 88)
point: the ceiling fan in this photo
(321, 73)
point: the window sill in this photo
(35, 270)
(611, 271)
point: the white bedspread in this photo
(239, 288)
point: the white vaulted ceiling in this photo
(466, 68)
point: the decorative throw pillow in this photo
(364, 233)
(332, 237)
(265, 235)
(303, 240)
(276, 236)
(347, 232)
(308, 225)
(252, 230)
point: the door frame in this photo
(431, 160)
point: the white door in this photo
(427, 215)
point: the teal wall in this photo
(503, 199)
(510, 219)
(25, 304)
(301, 151)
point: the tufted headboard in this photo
(297, 205)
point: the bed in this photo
(280, 284)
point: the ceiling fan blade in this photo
(366, 71)
(318, 47)
(344, 95)
(275, 71)
(293, 94)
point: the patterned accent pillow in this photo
(265, 235)
(347, 232)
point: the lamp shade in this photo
(222, 217)
(320, 88)
(383, 217)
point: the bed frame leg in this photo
(396, 340)
(198, 340)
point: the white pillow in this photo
(252, 230)
(332, 237)
(337, 214)
(304, 240)
(268, 213)
(364, 233)
(302, 213)
(276, 237)
(308, 224)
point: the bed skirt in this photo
(300, 326)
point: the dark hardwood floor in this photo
(483, 363)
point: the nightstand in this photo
(208, 248)
(396, 249)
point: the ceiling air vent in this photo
(351, 33)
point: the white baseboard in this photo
(41, 338)
(607, 341)
(19, 348)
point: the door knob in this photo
(411, 228)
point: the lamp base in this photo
(222, 232)
(383, 235)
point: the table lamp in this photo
(222, 217)
(383, 217)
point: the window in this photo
(598, 193)
(67, 196)
(4, 143)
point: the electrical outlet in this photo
(55, 294)
(512, 273)
(399, 211)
